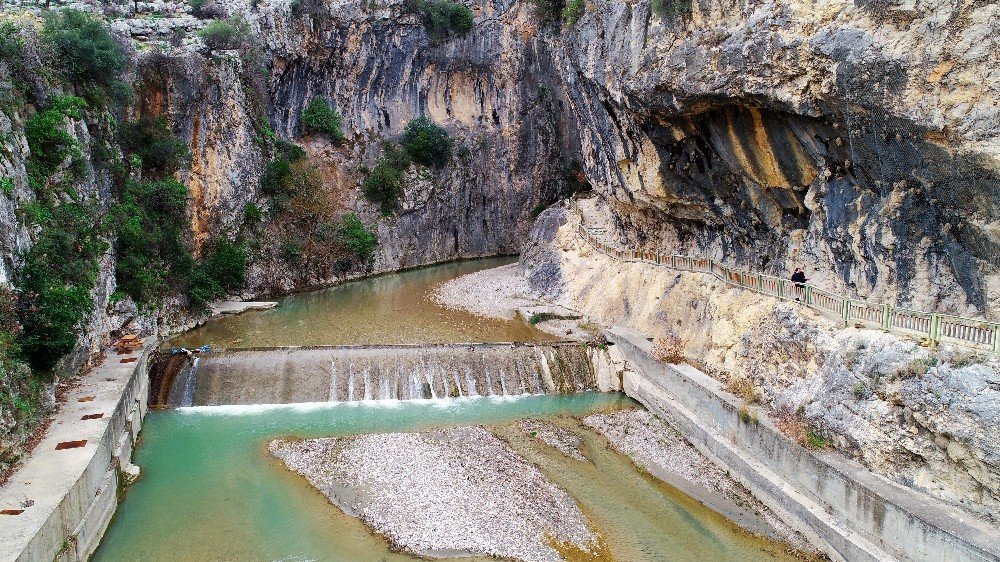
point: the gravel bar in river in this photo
(449, 492)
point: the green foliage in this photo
(384, 185)
(223, 35)
(121, 93)
(49, 141)
(226, 263)
(548, 11)
(539, 317)
(160, 152)
(86, 52)
(426, 143)
(669, 9)
(356, 237)
(252, 213)
(224, 268)
(573, 11)
(277, 182)
(7, 186)
(444, 19)
(319, 117)
(202, 288)
(816, 441)
(55, 283)
(149, 221)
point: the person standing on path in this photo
(799, 278)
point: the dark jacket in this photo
(799, 277)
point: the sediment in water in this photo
(345, 374)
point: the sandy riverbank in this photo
(450, 492)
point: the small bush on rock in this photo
(426, 143)
(573, 11)
(384, 184)
(86, 52)
(669, 348)
(159, 150)
(319, 117)
(357, 238)
(222, 35)
(444, 19)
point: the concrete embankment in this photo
(58, 505)
(843, 508)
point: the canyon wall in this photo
(858, 139)
(925, 418)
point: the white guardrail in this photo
(932, 326)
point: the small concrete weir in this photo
(352, 373)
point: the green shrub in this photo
(55, 283)
(202, 289)
(223, 269)
(573, 11)
(252, 213)
(226, 263)
(86, 52)
(288, 151)
(540, 317)
(444, 19)
(547, 11)
(159, 150)
(426, 143)
(319, 117)
(222, 35)
(292, 251)
(49, 141)
(669, 9)
(7, 186)
(816, 441)
(357, 238)
(149, 222)
(384, 185)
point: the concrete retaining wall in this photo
(69, 495)
(849, 512)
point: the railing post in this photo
(996, 339)
(781, 288)
(886, 323)
(760, 283)
(807, 296)
(847, 312)
(934, 331)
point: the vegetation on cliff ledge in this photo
(444, 19)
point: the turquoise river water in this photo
(210, 491)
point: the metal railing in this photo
(932, 326)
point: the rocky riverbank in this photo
(450, 492)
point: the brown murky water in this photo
(390, 309)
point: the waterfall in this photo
(281, 376)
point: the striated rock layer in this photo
(861, 139)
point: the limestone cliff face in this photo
(925, 418)
(862, 139)
(491, 89)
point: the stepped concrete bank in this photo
(843, 508)
(58, 505)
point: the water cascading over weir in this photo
(352, 373)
